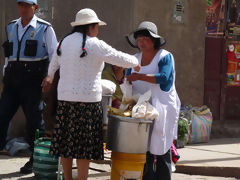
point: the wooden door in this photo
(214, 52)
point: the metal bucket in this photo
(128, 135)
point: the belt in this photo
(28, 64)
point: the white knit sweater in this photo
(80, 78)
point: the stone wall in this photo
(185, 41)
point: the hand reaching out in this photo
(46, 84)
(133, 77)
(137, 68)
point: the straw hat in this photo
(86, 16)
(151, 28)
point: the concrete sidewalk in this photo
(219, 157)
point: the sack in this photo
(45, 166)
(200, 128)
(108, 87)
(16, 145)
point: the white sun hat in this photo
(148, 26)
(86, 16)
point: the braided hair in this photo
(84, 52)
(81, 29)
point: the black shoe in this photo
(28, 167)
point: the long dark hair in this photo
(81, 29)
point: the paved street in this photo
(9, 168)
(219, 157)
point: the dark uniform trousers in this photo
(22, 87)
(158, 170)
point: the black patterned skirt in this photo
(78, 131)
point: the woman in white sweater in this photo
(80, 57)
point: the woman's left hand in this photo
(133, 77)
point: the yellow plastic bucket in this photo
(127, 166)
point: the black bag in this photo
(31, 48)
(8, 48)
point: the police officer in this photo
(30, 44)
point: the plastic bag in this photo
(127, 98)
(143, 109)
(108, 87)
(175, 154)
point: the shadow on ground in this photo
(16, 175)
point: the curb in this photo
(209, 170)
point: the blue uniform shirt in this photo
(30, 47)
(48, 38)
